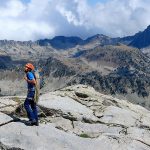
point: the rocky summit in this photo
(72, 118)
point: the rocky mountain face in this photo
(113, 69)
(38, 48)
(75, 117)
(61, 42)
(18, 50)
(73, 72)
(100, 61)
(116, 70)
(139, 40)
(142, 40)
(5, 61)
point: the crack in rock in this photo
(142, 142)
(4, 147)
(6, 123)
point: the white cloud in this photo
(48, 18)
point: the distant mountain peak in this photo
(100, 35)
(97, 36)
(148, 27)
(61, 42)
(142, 39)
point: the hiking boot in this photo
(35, 122)
(32, 123)
(29, 123)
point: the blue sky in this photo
(92, 2)
(26, 1)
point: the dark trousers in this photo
(30, 106)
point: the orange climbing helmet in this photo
(30, 66)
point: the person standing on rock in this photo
(30, 104)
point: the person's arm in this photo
(31, 78)
(30, 81)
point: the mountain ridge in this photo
(108, 65)
(138, 40)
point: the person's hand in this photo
(25, 78)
